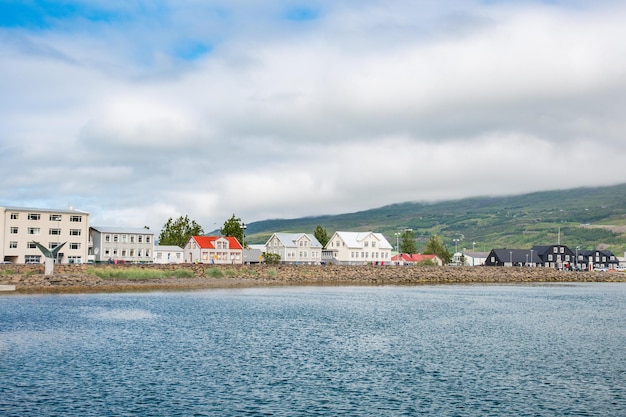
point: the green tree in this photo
(321, 235)
(271, 258)
(407, 245)
(234, 227)
(435, 246)
(177, 232)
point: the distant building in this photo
(213, 250)
(121, 244)
(357, 248)
(295, 248)
(415, 258)
(596, 259)
(474, 258)
(22, 226)
(168, 254)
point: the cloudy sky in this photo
(137, 111)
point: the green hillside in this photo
(586, 217)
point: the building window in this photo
(14, 230)
(34, 216)
(13, 245)
(124, 238)
(114, 252)
(139, 253)
(147, 239)
(123, 253)
(373, 244)
(550, 257)
(75, 218)
(116, 238)
(15, 216)
(55, 217)
(107, 251)
(54, 231)
(160, 255)
(132, 253)
(32, 259)
(74, 245)
(140, 239)
(31, 245)
(147, 252)
(562, 249)
(74, 259)
(75, 232)
(33, 230)
(132, 238)
(52, 245)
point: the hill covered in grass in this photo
(585, 217)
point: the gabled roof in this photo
(355, 239)
(516, 255)
(208, 242)
(290, 239)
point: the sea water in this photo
(546, 350)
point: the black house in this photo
(596, 259)
(554, 256)
(512, 257)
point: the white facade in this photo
(358, 248)
(168, 255)
(219, 250)
(21, 227)
(121, 244)
(295, 248)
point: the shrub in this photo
(214, 273)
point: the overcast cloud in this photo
(140, 111)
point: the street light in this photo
(531, 257)
(397, 234)
(576, 260)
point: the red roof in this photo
(413, 257)
(208, 242)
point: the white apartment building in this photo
(295, 248)
(121, 244)
(22, 226)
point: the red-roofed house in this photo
(213, 250)
(414, 258)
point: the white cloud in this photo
(356, 108)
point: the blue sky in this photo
(140, 111)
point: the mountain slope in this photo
(490, 222)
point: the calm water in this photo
(353, 351)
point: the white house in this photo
(121, 244)
(295, 248)
(168, 254)
(213, 250)
(357, 248)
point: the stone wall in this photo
(26, 277)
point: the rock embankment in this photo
(84, 278)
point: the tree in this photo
(271, 258)
(407, 245)
(321, 235)
(234, 227)
(177, 232)
(435, 246)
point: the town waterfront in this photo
(454, 350)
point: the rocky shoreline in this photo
(84, 278)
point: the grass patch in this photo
(214, 273)
(129, 273)
(7, 272)
(183, 273)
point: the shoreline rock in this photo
(29, 279)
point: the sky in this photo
(140, 111)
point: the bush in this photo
(214, 273)
(183, 273)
